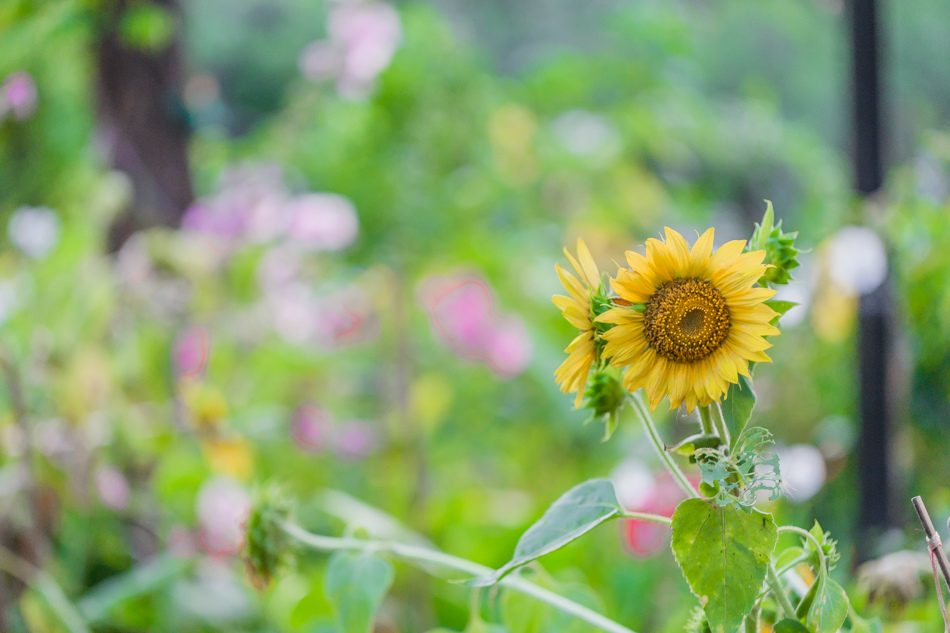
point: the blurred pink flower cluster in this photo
(462, 314)
(640, 490)
(363, 37)
(314, 429)
(253, 204)
(18, 96)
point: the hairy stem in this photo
(644, 516)
(660, 447)
(706, 421)
(43, 583)
(776, 584)
(791, 529)
(714, 411)
(431, 557)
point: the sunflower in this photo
(576, 308)
(694, 322)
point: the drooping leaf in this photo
(860, 625)
(825, 606)
(790, 625)
(724, 554)
(737, 407)
(577, 512)
(355, 586)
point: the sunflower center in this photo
(686, 320)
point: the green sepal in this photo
(781, 307)
(779, 247)
(828, 545)
(604, 397)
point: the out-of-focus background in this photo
(314, 243)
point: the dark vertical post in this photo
(143, 119)
(874, 474)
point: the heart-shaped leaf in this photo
(724, 554)
(578, 511)
(825, 606)
(355, 586)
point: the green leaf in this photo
(737, 407)
(789, 625)
(577, 512)
(860, 625)
(355, 586)
(787, 556)
(724, 554)
(737, 476)
(689, 445)
(781, 307)
(825, 606)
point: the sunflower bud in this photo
(779, 249)
(604, 397)
(268, 545)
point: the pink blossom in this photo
(322, 221)
(191, 351)
(222, 507)
(643, 538)
(278, 267)
(363, 38)
(461, 312)
(181, 542)
(310, 427)
(113, 487)
(18, 95)
(509, 347)
(355, 440)
(293, 310)
(346, 317)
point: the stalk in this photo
(427, 556)
(660, 447)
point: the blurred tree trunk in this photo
(143, 121)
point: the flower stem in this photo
(44, 584)
(791, 529)
(432, 557)
(660, 447)
(779, 592)
(714, 411)
(706, 421)
(644, 516)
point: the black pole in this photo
(874, 472)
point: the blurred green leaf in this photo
(355, 586)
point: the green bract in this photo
(268, 546)
(779, 249)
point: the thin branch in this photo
(44, 584)
(776, 585)
(660, 447)
(791, 529)
(645, 516)
(428, 556)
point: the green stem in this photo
(792, 565)
(791, 529)
(776, 584)
(660, 447)
(752, 621)
(706, 421)
(43, 583)
(644, 516)
(714, 411)
(428, 556)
